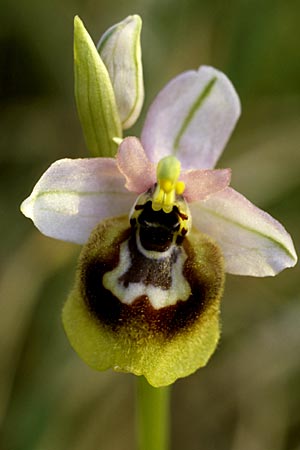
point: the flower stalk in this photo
(152, 416)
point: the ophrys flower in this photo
(160, 228)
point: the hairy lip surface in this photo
(111, 312)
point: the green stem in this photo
(152, 416)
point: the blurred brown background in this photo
(248, 397)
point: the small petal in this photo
(72, 196)
(120, 50)
(192, 118)
(253, 243)
(133, 163)
(95, 98)
(200, 184)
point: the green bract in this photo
(95, 98)
(120, 50)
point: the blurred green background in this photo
(248, 397)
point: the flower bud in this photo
(120, 51)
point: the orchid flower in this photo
(160, 226)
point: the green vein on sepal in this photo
(80, 194)
(28, 205)
(192, 111)
(252, 230)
